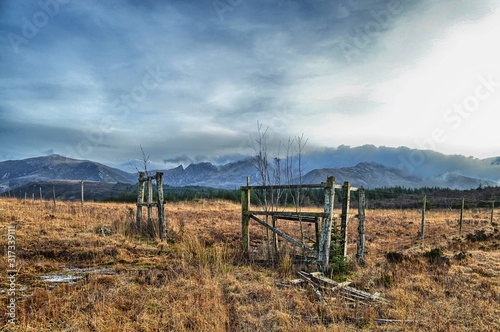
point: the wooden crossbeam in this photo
(284, 235)
(288, 214)
(311, 219)
(292, 186)
(147, 204)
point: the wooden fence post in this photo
(275, 238)
(54, 195)
(149, 199)
(326, 227)
(460, 223)
(245, 218)
(361, 226)
(492, 210)
(162, 225)
(346, 199)
(140, 200)
(422, 228)
(149, 204)
(82, 194)
(316, 230)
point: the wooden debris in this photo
(319, 282)
(381, 321)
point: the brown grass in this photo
(198, 282)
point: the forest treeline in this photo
(390, 197)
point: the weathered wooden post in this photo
(346, 199)
(461, 217)
(422, 228)
(492, 210)
(140, 200)
(40, 193)
(275, 238)
(326, 227)
(316, 230)
(82, 194)
(162, 225)
(54, 195)
(245, 218)
(149, 204)
(361, 226)
(149, 198)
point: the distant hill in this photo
(16, 173)
(373, 175)
(424, 164)
(367, 175)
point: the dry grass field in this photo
(89, 271)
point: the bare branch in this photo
(144, 162)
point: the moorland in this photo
(90, 270)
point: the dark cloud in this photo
(98, 79)
(21, 139)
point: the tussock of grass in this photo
(197, 281)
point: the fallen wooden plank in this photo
(386, 321)
(364, 294)
(317, 292)
(306, 277)
(335, 285)
(319, 278)
(312, 284)
(292, 282)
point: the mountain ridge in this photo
(421, 163)
(464, 172)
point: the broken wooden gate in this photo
(323, 234)
(147, 181)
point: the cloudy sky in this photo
(189, 80)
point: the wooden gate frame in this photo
(323, 238)
(147, 181)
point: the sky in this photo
(190, 81)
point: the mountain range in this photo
(366, 166)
